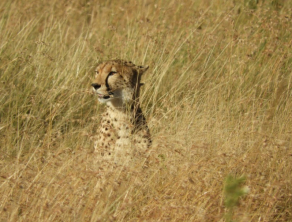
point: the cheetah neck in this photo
(126, 100)
(127, 107)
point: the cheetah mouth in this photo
(101, 96)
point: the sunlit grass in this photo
(217, 98)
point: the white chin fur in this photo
(120, 94)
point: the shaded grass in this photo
(217, 99)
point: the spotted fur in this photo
(123, 131)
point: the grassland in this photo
(217, 98)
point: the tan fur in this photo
(123, 132)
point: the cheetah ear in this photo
(142, 69)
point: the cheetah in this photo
(123, 131)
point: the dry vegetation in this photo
(217, 98)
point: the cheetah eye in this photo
(96, 72)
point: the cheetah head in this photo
(117, 80)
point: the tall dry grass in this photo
(217, 98)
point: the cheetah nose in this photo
(95, 86)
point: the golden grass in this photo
(217, 98)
